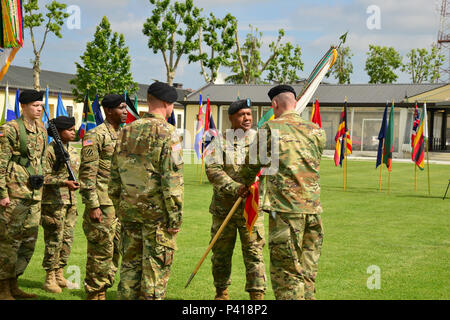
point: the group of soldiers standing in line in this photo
(131, 183)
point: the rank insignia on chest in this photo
(87, 143)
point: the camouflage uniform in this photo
(59, 209)
(293, 199)
(19, 222)
(223, 167)
(103, 238)
(147, 189)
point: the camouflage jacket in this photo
(224, 161)
(55, 189)
(13, 176)
(96, 154)
(147, 173)
(294, 187)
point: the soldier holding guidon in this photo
(225, 157)
(292, 196)
(22, 150)
(59, 205)
(100, 223)
(147, 190)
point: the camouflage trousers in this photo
(252, 251)
(147, 256)
(295, 244)
(58, 222)
(19, 226)
(103, 250)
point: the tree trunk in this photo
(37, 73)
(170, 77)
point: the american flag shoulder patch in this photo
(87, 142)
(1, 134)
(176, 147)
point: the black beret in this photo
(280, 89)
(29, 96)
(113, 100)
(238, 105)
(62, 123)
(163, 91)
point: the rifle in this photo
(60, 147)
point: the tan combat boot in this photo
(17, 293)
(102, 295)
(256, 295)
(50, 284)
(5, 293)
(222, 294)
(60, 280)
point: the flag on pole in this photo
(10, 113)
(342, 139)
(97, 111)
(389, 141)
(416, 123)
(132, 109)
(88, 118)
(418, 147)
(199, 132)
(382, 136)
(251, 205)
(269, 115)
(315, 116)
(210, 127)
(425, 120)
(17, 105)
(171, 119)
(60, 110)
(45, 120)
(5, 110)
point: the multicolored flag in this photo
(60, 110)
(88, 119)
(418, 145)
(315, 115)
(415, 125)
(97, 111)
(198, 144)
(389, 141)
(382, 136)
(252, 204)
(132, 109)
(342, 139)
(8, 108)
(269, 115)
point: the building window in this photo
(179, 121)
(69, 111)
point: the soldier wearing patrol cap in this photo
(224, 162)
(293, 197)
(100, 223)
(22, 149)
(147, 190)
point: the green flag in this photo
(266, 117)
(3, 119)
(389, 141)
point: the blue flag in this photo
(97, 111)
(171, 119)
(17, 105)
(198, 144)
(60, 110)
(381, 136)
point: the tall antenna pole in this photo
(443, 38)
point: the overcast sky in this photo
(312, 24)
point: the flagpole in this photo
(428, 169)
(345, 150)
(415, 177)
(381, 167)
(425, 116)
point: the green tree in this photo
(381, 63)
(52, 22)
(247, 64)
(283, 68)
(423, 66)
(343, 67)
(218, 35)
(172, 30)
(105, 66)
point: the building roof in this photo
(22, 78)
(329, 94)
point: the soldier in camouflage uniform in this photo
(100, 223)
(147, 190)
(22, 148)
(59, 206)
(224, 160)
(292, 196)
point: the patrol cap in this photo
(62, 123)
(112, 100)
(238, 105)
(163, 91)
(28, 96)
(280, 89)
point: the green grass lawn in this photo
(404, 233)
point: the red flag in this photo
(207, 115)
(316, 115)
(251, 205)
(132, 112)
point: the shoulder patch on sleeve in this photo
(88, 142)
(89, 153)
